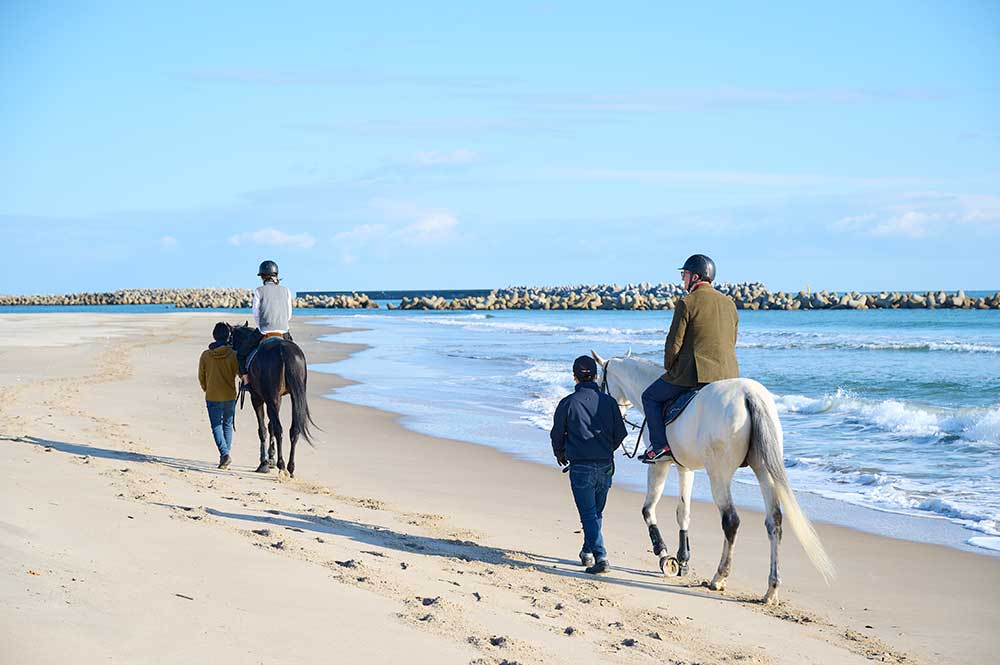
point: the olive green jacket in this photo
(217, 370)
(701, 344)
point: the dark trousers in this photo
(654, 400)
(590, 482)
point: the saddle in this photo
(270, 337)
(672, 410)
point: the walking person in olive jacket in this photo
(587, 428)
(217, 371)
(700, 348)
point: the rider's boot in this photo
(652, 456)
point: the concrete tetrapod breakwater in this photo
(582, 297)
(664, 296)
(185, 298)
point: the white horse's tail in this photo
(766, 439)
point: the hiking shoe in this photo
(225, 461)
(598, 568)
(654, 456)
(586, 559)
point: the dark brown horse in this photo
(278, 369)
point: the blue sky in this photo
(436, 145)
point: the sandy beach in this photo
(120, 542)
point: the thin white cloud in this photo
(452, 158)
(361, 234)
(911, 224)
(168, 242)
(273, 237)
(738, 178)
(679, 99)
(922, 214)
(434, 225)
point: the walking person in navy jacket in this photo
(587, 429)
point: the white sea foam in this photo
(550, 383)
(985, 542)
(789, 339)
(973, 424)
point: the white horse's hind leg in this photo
(656, 477)
(686, 482)
(730, 524)
(772, 520)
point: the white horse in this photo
(726, 423)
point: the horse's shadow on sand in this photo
(378, 536)
(371, 535)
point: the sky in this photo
(474, 145)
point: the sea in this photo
(891, 417)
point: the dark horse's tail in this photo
(295, 380)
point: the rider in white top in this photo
(272, 308)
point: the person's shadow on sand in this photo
(463, 550)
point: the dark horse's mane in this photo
(278, 368)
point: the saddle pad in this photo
(253, 354)
(675, 408)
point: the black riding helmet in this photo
(268, 268)
(700, 264)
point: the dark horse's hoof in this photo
(263, 468)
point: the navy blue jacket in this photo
(587, 426)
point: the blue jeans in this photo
(220, 415)
(654, 399)
(590, 482)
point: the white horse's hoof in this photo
(669, 566)
(717, 583)
(771, 597)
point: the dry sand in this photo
(120, 542)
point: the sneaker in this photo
(225, 461)
(586, 559)
(598, 568)
(653, 456)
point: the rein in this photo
(638, 441)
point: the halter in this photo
(638, 441)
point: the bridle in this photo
(638, 441)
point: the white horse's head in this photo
(610, 382)
(626, 377)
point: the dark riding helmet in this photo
(700, 264)
(268, 268)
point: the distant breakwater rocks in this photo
(584, 297)
(187, 298)
(665, 296)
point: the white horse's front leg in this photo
(656, 478)
(686, 483)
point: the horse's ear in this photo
(600, 361)
(246, 324)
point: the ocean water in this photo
(892, 418)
